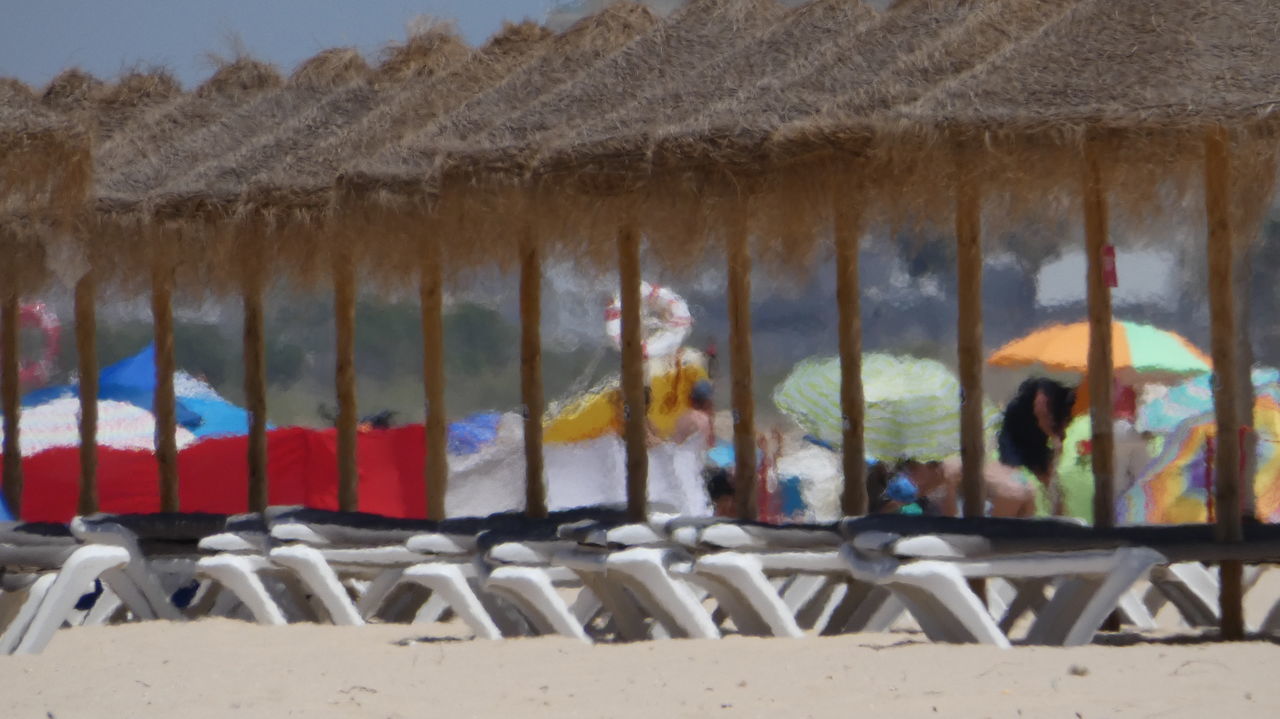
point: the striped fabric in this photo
(912, 405)
(1175, 488)
(1196, 397)
(120, 425)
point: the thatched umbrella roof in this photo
(1127, 64)
(1141, 79)
(607, 59)
(230, 149)
(139, 160)
(430, 75)
(286, 177)
(572, 53)
(695, 41)
(36, 143)
(720, 111)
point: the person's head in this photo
(720, 490)
(900, 490)
(701, 394)
(1039, 404)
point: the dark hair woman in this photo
(1035, 423)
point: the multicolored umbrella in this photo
(120, 425)
(912, 405)
(1195, 397)
(1176, 486)
(1136, 348)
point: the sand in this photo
(219, 667)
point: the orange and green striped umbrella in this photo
(1141, 349)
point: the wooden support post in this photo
(633, 404)
(531, 392)
(255, 388)
(744, 425)
(87, 352)
(10, 393)
(165, 401)
(431, 297)
(1101, 361)
(1217, 174)
(344, 312)
(968, 221)
(848, 233)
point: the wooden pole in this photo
(87, 351)
(1217, 174)
(431, 297)
(1243, 259)
(165, 401)
(531, 392)
(633, 404)
(344, 311)
(848, 233)
(1101, 360)
(9, 392)
(744, 426)
(255, 389)
(968, 221)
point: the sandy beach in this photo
(216, 667)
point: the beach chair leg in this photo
(938, 596)
(739, 584)
(1029, 597)
(402, 603)
(586, 606)
(1081, 604)
(239, 576)
(448, 582)
(670, 601)
(805, 596)
(432, 610)
(531, 590)
(1134, 613)
(107, 609)
(25, 603)
(13, 595)
(626, 616)
(1154, 599)
(864, 607)
(376, 593)
(1270, 624)
(314, 572)
(1192, 588)
(83, 566)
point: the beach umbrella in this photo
(121, 425)
(912, 405)
(1177, 485)
(1139, 350)
(1194, 397)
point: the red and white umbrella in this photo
(120, 425)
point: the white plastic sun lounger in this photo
(43, 574)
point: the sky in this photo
(40, 38)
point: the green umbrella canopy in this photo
(912, 405)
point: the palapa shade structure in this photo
(276, 193)
(728, 152)
(728, 120)
(44, 172)
(106, 110)
(411, 163)
(129, 169)
(1118, 89)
